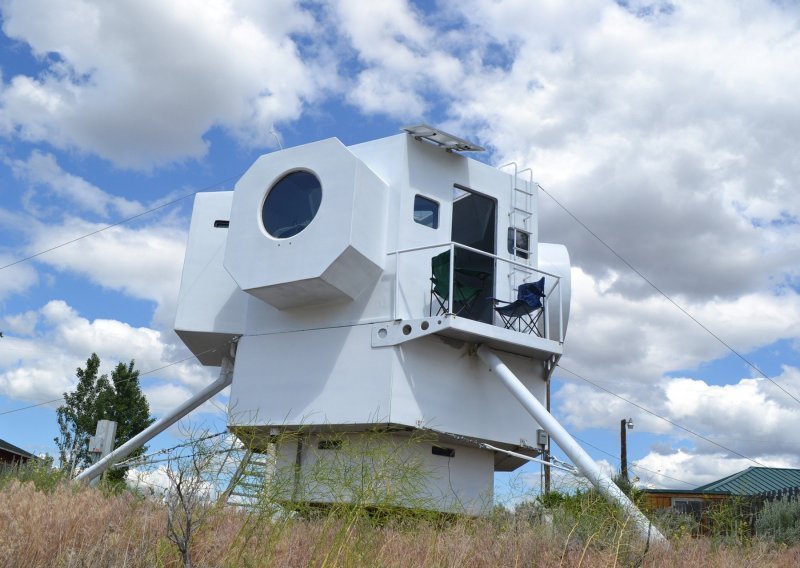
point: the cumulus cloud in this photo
(21, 324)
(140, 83)
(17, 278)
(742, 424)
(149, 481)
(398, 58)
(613, 335)
(42, 366)
(167, 396)
(681, 469)
(122, 258)
(41, 172)
(669, 129)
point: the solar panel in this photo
(439, 137)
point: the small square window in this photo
(519, 242)
(426, 212)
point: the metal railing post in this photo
(560, 313)
(395, 300)
(452, 272)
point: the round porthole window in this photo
(291, 204)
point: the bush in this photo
(674, 524)
(780, 521)
(586, 521)
(729, 520)
(39, 471)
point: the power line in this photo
(664, 418)
(149, 372)
(632, 466)
(666, 296)
(120, 222)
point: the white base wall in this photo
(382, 470)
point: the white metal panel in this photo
(211, 307)
(438, 385)
(337, 256)
(316, 377)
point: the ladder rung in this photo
(248, 495)
(256, 474)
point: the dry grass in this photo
(72, 526)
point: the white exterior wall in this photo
(365, 469)
(328, 377)
(211, 307)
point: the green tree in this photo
(98, 398)
(128, 407)
(78, 416)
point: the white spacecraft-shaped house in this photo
(350, 293)
(322, 264)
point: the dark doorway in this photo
(474, 224)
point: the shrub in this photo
(674, 524)
(39, 471)
(729, 520)
(780, 521)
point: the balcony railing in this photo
(411, 298)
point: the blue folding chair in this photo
(523, 313)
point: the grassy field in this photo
(67, 525)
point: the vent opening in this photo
(445, 452)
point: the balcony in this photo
(464, 309)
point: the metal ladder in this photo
(248, 482)
(520, 213)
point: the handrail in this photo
(451, 246)
(482, 252)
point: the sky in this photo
(667, 128)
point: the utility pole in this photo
(102, 442)
(624, 426)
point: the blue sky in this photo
(669, 129)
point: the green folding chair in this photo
(464, 296)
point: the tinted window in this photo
(518, 242)
(291, 204)
(426, 212)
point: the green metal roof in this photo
(754, 480)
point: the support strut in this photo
(576, 453)
(225, 378)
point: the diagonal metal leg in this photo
(579, 457)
